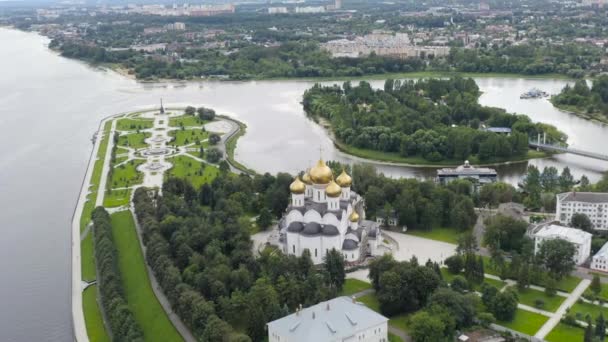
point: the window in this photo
(294, 249)
(315, 252)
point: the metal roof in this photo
(589, 197)
(334, 320)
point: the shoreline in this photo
(602, 120)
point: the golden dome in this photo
(344, 180)
(306, 178)
(297, 187)
(354, 217)
(333, 189)
(321, 173)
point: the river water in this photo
(50, 106)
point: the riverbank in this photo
(595, 117)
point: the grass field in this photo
(525, 321)
(448, 277)
(580, 310)
(371, 301)
(186, 121)
(134, 124)
(92, 316)
(87, 210)
(231, 148)
(87, 258)
(449, 235)
(116, 198)
(141, 299)
(563, 332)
(529, 296)
(603, 293)
(196, 172)
(187, 136)
(134, 140)
(394, 338)
(352, 286)
(126, 175)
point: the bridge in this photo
(555, 148)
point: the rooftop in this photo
(466, 169)
(603, 252)
(573, 235)
(590, 197)
(333, 320)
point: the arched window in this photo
(315, 252)
(294, 249)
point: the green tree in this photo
(504, 232)
(557, 257)
(334, 266)
(264, 219)
(600, 327)
(190, 110)
(581, 221)
(504, 305)
(596, 286)
(454, 263)
(425, 327)
(588, 337)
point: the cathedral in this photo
(325, 214)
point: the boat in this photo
(534, 93)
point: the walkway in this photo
(557, 316)
(569, 150)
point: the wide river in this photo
(50, 106)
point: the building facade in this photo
(339, 319)
(592, 204)
(325, 214)
(479, 175)
(579, 238)
(599, 261)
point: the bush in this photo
(485, 319)
(214, 155)
(539, 303)
(454, 264)
(460, 284)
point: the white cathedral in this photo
(326, 214)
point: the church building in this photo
(325, 214)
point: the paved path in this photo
(557, 316)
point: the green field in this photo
(87, 253)
(196, 172)
(134, 140)
(371, 301)
(126, 174)
(134, 124)
(92, 316)
(116, 198)
(87, 209)
(141, 299)
(231, 147)
(529, 296)
(603, 293)
(186, 121)
(525, 321)
(581, 309)
(449, 235)
(187, 136)
(448, 277)
(564, 332)
(352, 286)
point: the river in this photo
(50, 106)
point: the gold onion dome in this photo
(354, 217)
(321, 173)
(297, 187)
(333, 190)
(306, 178)
(344, 180)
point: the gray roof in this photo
(313, 228)
(295, 227)
(334, 320)
(590, 197)
(498, 129)
(349, 245)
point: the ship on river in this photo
(534, 93)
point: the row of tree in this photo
(122, 324)
(585, 99)
(431, 118)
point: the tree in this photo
(378, 266)
(596, 286)
(588, 337)
(467, 243)
(504, 305)
(214, 139)
(205, 113)
(190, 110)
(557, 257)
(264, 219)
(460, 284)
(425, 327)
(504, 232)
(581, 221)
(214, 155)
(334, 266)
(600, 327)
(566, 181)
(454, 264)
(459, 306)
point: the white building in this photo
(310, 9)
(592, 204)
(277, 10)
(599, 261)
(579, 238)
(325, 214)
(339, 319)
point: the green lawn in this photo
(187, 136)
(564, 332)
(92, 316)
(401, 322)
(134, 124)
(134, 140)
(141, 299)
(87, 209)
(525, 321)
(87, 258)
(116, 198)
(529, 296)
(449, 235)
(394, 338)
(126, 175)
(371, 301)
(448, 277)
(581, 309)
(603, 293)
(352, 286)
(196, 172)
(186, 121)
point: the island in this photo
(425, 122)
(582, 100)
